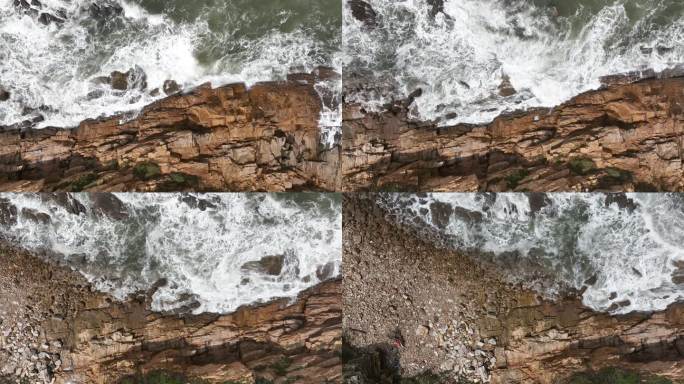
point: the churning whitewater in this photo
(55, 53)
(476, 59)
(625, 252)
(215, 252)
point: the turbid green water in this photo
(233, 24)
(549, 50)
(52, 67)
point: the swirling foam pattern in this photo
(199, 243)
(624, 250)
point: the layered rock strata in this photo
(231, 138)
(623, 137)
(56, 327)
(417, 308)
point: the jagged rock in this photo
(678, 276)
(630, 133)
(269, 265)
(436, 7)
(48, 18)
(8, 212)
(35, 216)
(118, 80)
(4, 95)
(229, 138)
(364, 12)
(325, 73)
(66, 201)
(134, 78)
(86, 337)
(171, 87)
(458, 314)
(35, 8)
(506, 88)
(107, 204)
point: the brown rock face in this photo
(54, 325)
(427, 309)
(272, 341)
(229, 138)
(625, 137)
(551, 341)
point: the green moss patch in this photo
(514, 179)
(147, 170)
(82, 182)
(618, 174)
(581, 165)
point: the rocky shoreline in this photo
(55, 328)
(433, 311)
(626, 136)
(235, 138)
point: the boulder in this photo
(619, 138)
(8, 212)
(105, 11)
(118, 80)
(506, 88)
(268, 265)
(4, 94)
(436, 6)
(364, 12)
(109, 205)
(170, 137)
(35, 216)
(171, 87)
(325, 272)
(134, 78)
(48, 18)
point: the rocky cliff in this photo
(231, 138)
(56, 327)
(541, 341)
(623, 137)
(412, 309)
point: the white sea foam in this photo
(200, 252)
(459, 58)
(49, 70)
(632, 253)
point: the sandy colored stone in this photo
(265, 138)
(632, 131)
(87, 337)
(442, 311)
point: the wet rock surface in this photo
(435, 311)
(265, 138)
(72, 334)
(624, 137)
(364, 12)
